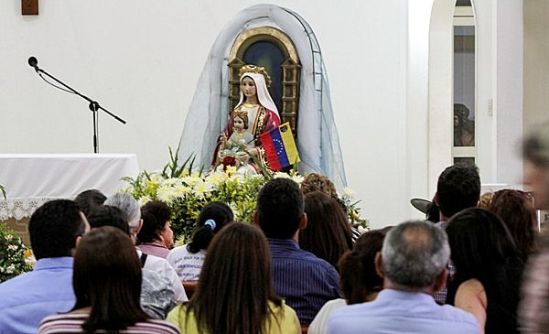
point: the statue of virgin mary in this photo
(210, 113)
(256, 103)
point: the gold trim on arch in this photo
(248, 37)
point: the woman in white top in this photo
(187, 260)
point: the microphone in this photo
(33, 62)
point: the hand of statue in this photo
(223, 138)
(243, 157)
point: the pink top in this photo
(154, 248)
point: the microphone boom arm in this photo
(93, 105)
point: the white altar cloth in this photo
(32, 179)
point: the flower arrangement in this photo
(15, 257)
(186, 192)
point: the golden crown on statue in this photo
(255, 69)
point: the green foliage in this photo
(14, 255)
(187, 192)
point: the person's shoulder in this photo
(473, 285)
(354, 310)
(318, 325)
(154, 326)
(185, 321)
(306, 259)
(160, 266)
(357, 316)
(33, 286)
(454, 315)
(316, 261)
(334, 304)
(10, 286)
(154, 262)
(177, 252)
(283, 308)
(61, 323)
(471, 290)
(285, 318)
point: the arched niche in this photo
(498, 89)
(306, 101)
(273, 49)
(441, 88)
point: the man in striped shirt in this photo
(305, 281)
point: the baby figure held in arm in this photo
(236, 149)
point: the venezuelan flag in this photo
(280, 148)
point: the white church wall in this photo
(509, 91)
(417, 124)
(498, 89)
(536, 66)
(142, 59)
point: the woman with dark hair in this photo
(359, 279)
(107, 285)
(515, 208)
(156, 236)
(328, 234)
(235, 293)
(187, 260)
(316, 182)
(90, 199)
(488, 269)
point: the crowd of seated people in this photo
(105, 264)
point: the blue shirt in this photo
(395, 311)
(302, 279)
(26, 299)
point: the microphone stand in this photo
(93, 105)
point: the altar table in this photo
(32, 179)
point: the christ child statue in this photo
(240, 142)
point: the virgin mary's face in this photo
(247, 86)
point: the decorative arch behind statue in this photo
(273, 49)
(315, 128)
